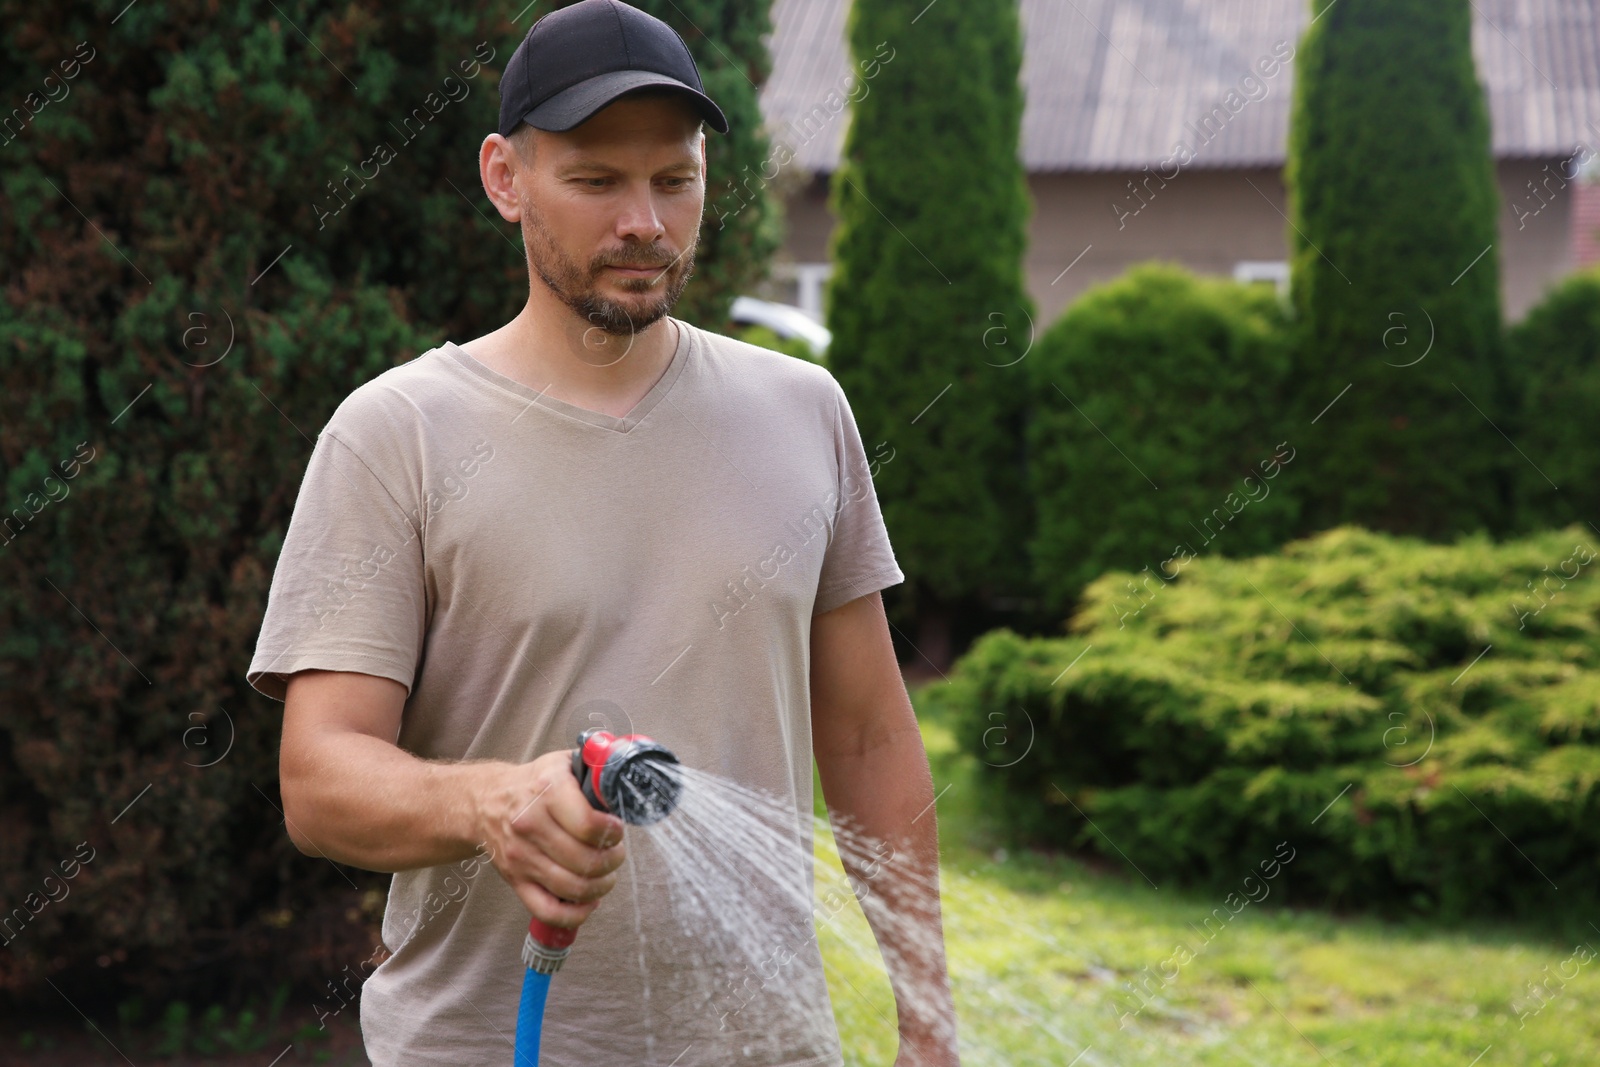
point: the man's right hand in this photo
(350, 794)
(556, 852)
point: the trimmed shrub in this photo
(1395, 279)
(1556, 350)
(1418, 723)
(1157, 415)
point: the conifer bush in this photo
(1420, 722)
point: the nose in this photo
(639, 220)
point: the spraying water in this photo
(752, 889)
(738, 858)
(745, 886)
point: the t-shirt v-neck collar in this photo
(533, 397)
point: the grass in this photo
(1046, 953)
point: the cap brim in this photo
(572, 107)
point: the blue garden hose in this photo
(530, 1017)
(620, 775)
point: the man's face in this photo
(611, 211)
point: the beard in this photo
(576, 285)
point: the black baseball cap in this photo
(575, 61)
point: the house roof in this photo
(1115, 84)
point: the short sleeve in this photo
(349, 591)
(859, 559)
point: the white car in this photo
(785, 320)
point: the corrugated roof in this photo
(1115, 84)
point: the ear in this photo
(497, 169)
(703, 173)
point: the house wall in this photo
(1537, 246)
(1586, 225)
(1210, 221)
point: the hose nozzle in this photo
(626, 777)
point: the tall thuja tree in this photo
(1394, 275)
(927, 305)
(742, 227)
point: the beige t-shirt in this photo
(529, 568)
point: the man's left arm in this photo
(875, 780)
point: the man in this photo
(596, 515)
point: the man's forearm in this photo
(362, 801)
(350, 793)
(880, 788)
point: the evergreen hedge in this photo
(1395, 279)
(1158, 425)
(1421, 723)
(217, 221)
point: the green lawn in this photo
(1043, 951)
